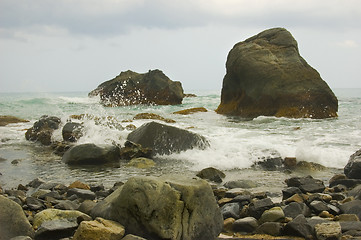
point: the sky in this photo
(74, 45)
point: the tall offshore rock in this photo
(131, 88)
(267, 76)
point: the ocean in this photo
(235, 144)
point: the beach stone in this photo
(172, 208)
(133, 150)
(13, 221)
(247, 224)
(80, 185)
(270, 228)
(353, 167)
(274, 214)
(81, 193)
(165, 139)
(306, 184)
(309, 166)
(99, 229)
(72, 131)
(56, 229)
(350, 225)
(152, 116)
(346, 217)
(299, 227)
(231, 210)
(131, 88)
(90, 153)
(267, 76)
(327, 231)
(191, 111)
(228, 224)
(271, 163)
(212, 174)
(294, 209)
(5, 120)
(132, 237)
(67, 205)
(141, 162)
(289, 192)
(318, 206)
(34, 204)
(56, 214)
(348, 183)
(353, 207)
(355, 192)
(42, 129)
(257, 207)
(87, 206)
(242, 183)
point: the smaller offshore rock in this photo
(152, 116)
(91, 154)
(5, 120)
(191, 111)
(211, 174)
(164, 139)
(72, 131)
(43, 129)
(131, 88)
(353, 167)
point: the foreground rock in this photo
(130, 88)
(165, 139)
(99, 229)
(91, 154)
(267, 76)
(5, 120)
(164, 209)
(353, 167)
(43, 129)
(13, 221)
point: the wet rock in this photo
(211, 174)
(257, 207)
(191, 111)
(290, 162)
(348, 183)
(353, 167)
(164, 208)
(270, 228)
(309, 166)
(240, 184)
(87, 206)
(80, 185)
(231, 210)
(274, 214)
(271, 163)
(34, 204)
(99, 229)
(247, 224)
(56, 229)
(5, 120)
(289, 192)
(306, 184)
(294, 209)
(133, 150)
(72, 131)
(164, 139)
(355, 192)
(267, 76)
(350, 226)
(131, 88)
(13, 221)
(42, 130)
(81, 193)
(327, 231)
(67, 205)
(318, 206)
(152, 116)
(299, 227)
(353, 207)
(141, 163)
(91, 154)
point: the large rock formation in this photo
(165, 139)
(267, 76)
(131, 88)
(157, 208)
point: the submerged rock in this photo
(91, 154)
(131, 88)
(164, 139)
(267, 76)
(164, 208)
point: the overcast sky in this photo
(74, 45)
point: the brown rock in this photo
(191, 111)
(5, 120)
(152, 116)
(80, 185)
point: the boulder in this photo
(56, 229)
(42, 129)
(13, 221)
(247, 224)
(133, 150)
(274, 214)
(306, 184)
(326, 231)
(241, 183)
(267, 76)
(257, 207)
(270, 228)
(299, 227)
(211, 174)
(294, 209)
(90, 153)
(72, 131)
(99, 229)
(353, 207)
(231, 210)
(353, 167)
(165, 139)
(160, 208)
(5, 120)
(131, 88)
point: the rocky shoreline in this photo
(308, 210)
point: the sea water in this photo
(235, 144)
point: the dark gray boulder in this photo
(299, 227)
(353, 167)
(294, 209)
(131, 88)
(13, 221)
(247, 224)
(353, 207)
(266, 75)
(43, 129)
(164, 208)
(257, 207)
(91, 154)
(165, 139)
(306, 184)
(72, 131)
(231, 210)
